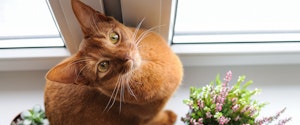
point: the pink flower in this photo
(200, 104)
(219, 99)
(215, 99)
(282, 122)
(234, 101)
(200, 120)
(245, 109)
(228, 76)
(237, 118)
(235, 107)
(208, 115)
(253, 112)
(219, 107)
(222, 120)
(222, 100)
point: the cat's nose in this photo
(127, 58)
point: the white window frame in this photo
(162, 13)
(159, 13)
(206, 54)
(16, 59)
(31, 58)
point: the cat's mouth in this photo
(127, 66)
(130, 64)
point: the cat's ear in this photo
(65, 72)
(87, 16)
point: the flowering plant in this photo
(217, 103)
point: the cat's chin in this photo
(137, 62)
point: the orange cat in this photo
(119, 76)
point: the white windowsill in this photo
(238, 54)
(190, 55)
(31, 58)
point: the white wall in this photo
(280, 84)
(19, 90)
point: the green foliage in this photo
(34, 116)
(217, 103)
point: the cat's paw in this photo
(166, 117)
(171, 117)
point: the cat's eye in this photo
(103, 66)
(114, 37)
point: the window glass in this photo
(27, 23)
(202, 21)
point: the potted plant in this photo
(219, 104)
(34, 116)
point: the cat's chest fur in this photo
(81, 105)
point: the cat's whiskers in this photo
(137, 29)
(137, 39)
(79, 61)
(144, 34)
(78, 74)
(121, 84)
(113, 96)
(122, 98)
(127, 83)
(124, 80)
(134, 35)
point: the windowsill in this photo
(190, 54)
(31, 58)
(238, 54)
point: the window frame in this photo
(220, 54)
(190, 54)
(31, 58)
(39, 30)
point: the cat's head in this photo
(109, 50)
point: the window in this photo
(27, 23)
(29, 38)
(234, 32)
(206, 32)
(213, 21)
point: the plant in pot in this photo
(34, 116)
(219, 104)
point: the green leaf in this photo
(218, 115)
(26, 114)
(218, 80)
(27, 122)
(247, 84)
(43, 115)
(207, 109)
(213, 106)
(193, 115)
(241, 79)
(187, 101)
(36, 108)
